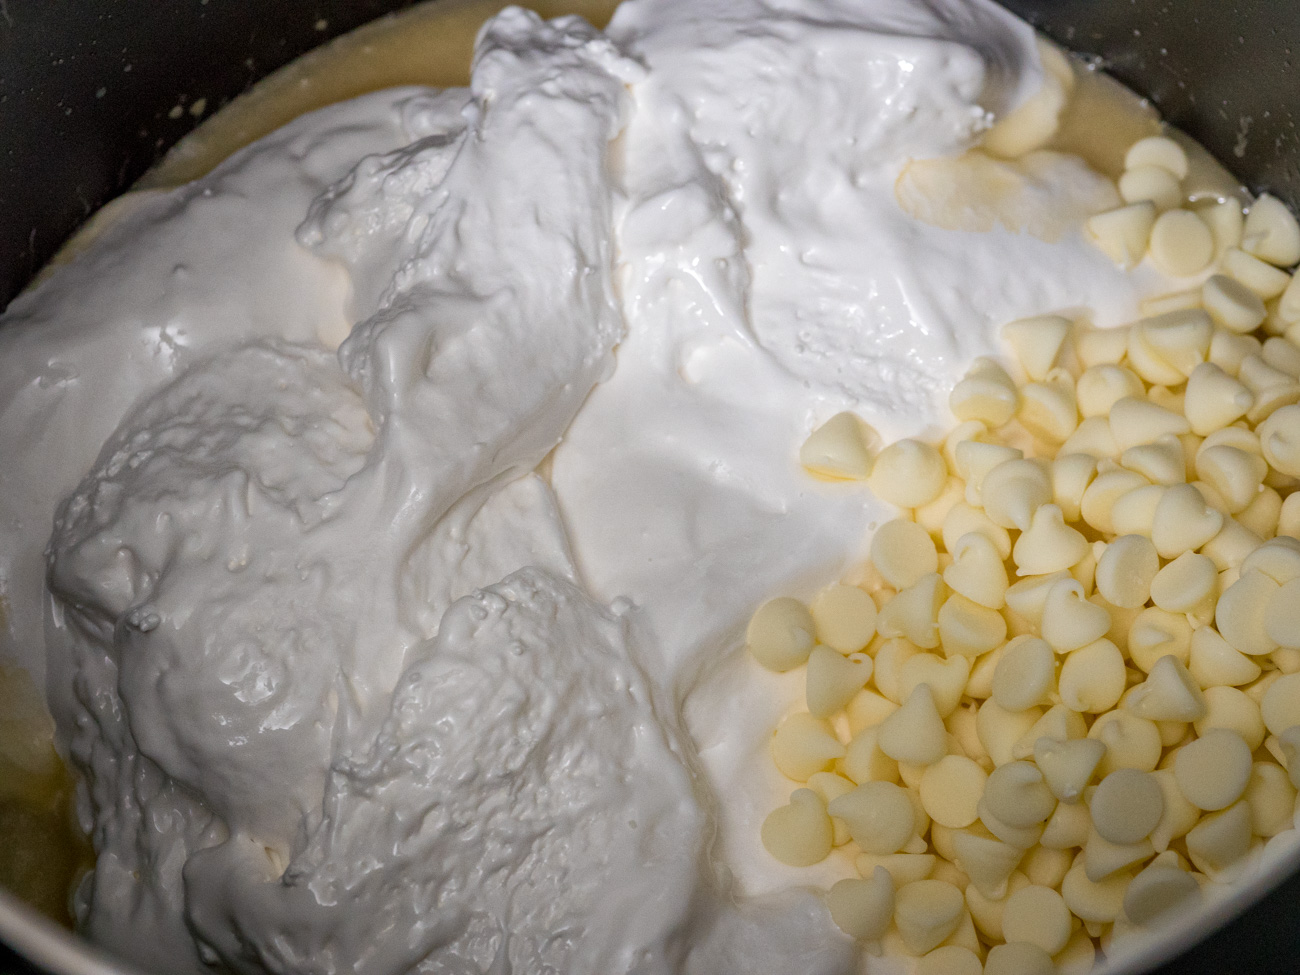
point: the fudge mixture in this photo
(383, 513)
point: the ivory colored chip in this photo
(1156, 891)
(1013, 491)
(803, 745)
(1236, 475)
(1068, 766)
(781, 634)
(1126, 570)
(951, 789)
(1183, 522)
(1280, 707)
(1185, 583)
(1232, 709)
(1048, 410)
(1037, 915)
(1181, 243)
(1220, 839)
(1049, 545)
(1259, 276)
(1136, 421)
(969, 629)
(1025, 675)
(1018, 958)
(840, 448)
(1017, 795)
(1069, 620)
(914, 613)
(986, 393)
(1131, 742)
(1071, 475)
(1240, 614)
(845, 617)
(977, 571)
(1154, 183)
(800, 833)
(1272, 799)
(1093, 678)
(915, 733)
(1058, 723)
(1279, 438)
(908, 473)
(1214, 399)
(1103, 385)
(863, 909)
(1124, 233)
(1158, 150)
(1037, 342)
(1231, 304)
(927, 912)
(833, 680)
(1126, 806)
(1271, 232)
(1213, 661)
(903, 552)
(946, 678)
(1170, 693)
(863, 760)
(1094, 901)
(879, 816)
(950, 960)
(1033, 123)
(1213, 770)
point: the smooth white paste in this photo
(339, 667)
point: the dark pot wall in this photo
(87, 91)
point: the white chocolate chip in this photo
(986, 394)
(927, 912)
(832, 680)
(1215, 399)
(1168, 694)
(1157, 890)
(1181, 243)
(1126, 806)
(1213, 770)
(1017, 795)
(1271, 232)
(840, 448)
(951, 790)
(1259, 276)
(915, 733)
(1069, 620)
(1048, 545)
(1124, 233)
(902, 551)
(803, 745)
(879, 816)
(1068, 766)
(977, 571)
(1158, 150)
(1126, 570)
(1154, 183)
(863, 909)
(1037, 342)
(799, 834)
(781, 634)
(1025, 674)
(1093, 678)
(845, 617)
(908, 473)
(1231, 304)
(1038, 916)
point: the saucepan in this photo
(93, 93)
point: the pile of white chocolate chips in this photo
(1064, 696)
